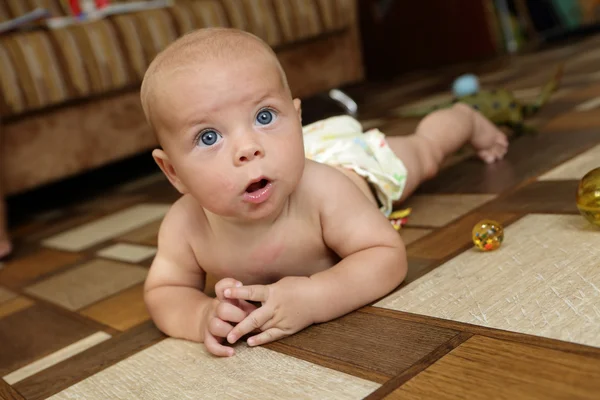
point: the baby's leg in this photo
(440, 134)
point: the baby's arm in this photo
(373, 264)
(373, 258)
(173, 290)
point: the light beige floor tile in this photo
(56, 357)
(439, 210)
(127, 252)
(175, 369)
(107, 227)
(410, 235)
(6, 295)
(575, 168)
(544, 280)
(88, 283)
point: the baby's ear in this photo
(298, 107)
(163, 161)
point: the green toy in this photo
(499, 106)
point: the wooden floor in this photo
(519, 322)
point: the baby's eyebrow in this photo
(264, 97)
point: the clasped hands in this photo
(286, 309)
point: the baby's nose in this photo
(249, 152)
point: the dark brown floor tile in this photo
(574, 121)
(539, 197)
(160, 192)
(91, 361)
(36, 332)
(410, 235)
(9, 393)
(484, 368)
(583, 93)
(439, 210)
(540, 341)
(369, 342)
(417, 267)
(15, 305)
(20, 272)
(147, 234)
(418, 367)
(527, 157)
(455, 237)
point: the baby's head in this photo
(230, 132)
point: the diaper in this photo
(340, 141)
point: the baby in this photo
(292, 220)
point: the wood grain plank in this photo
(574, 121)
(385, 346)
(7, 392)
(587, 351)
(484, 368)
(539, 197)
(455, 237)
(17, 304)
(25, 270)
(419, 366)
(417, 267)
(122, 311)
(20, 332)
(324, 361)
(147, 234)
(410, 235)
(520, 165)
(439, 210)
(83, 365)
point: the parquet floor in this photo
(519, 322)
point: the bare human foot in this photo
(490, 142)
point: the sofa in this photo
(69, 97)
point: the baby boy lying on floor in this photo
(293, 219)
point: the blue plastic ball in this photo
(465, 85)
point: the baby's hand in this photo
(286, 309)
(220, 314)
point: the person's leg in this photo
(442, 133)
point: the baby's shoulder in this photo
(183, 217)
(321, 181)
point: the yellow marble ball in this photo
(487, 235)
(588, 196)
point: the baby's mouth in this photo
(253, 187)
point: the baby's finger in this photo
(270, 335)
(215, 347)
(223, 284)
(230, 312)
(251, 293)
(219, 328)
(255, 320)
(247, 307)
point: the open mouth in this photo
(253, 187)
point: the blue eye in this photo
(265, 117)
(209, 137)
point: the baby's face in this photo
(234, 136)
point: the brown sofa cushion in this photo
(42, 68)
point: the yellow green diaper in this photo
(340, 141)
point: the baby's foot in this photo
(489, 141)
